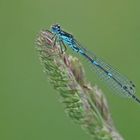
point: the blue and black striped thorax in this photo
(67, 38)
(62, 35)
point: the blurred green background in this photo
(29, 106)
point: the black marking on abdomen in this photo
(111, 76)
(92, 61)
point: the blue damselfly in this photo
(111, 76)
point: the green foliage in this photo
(86, 105)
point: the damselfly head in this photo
(55, 28)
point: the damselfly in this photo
(112, 77)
